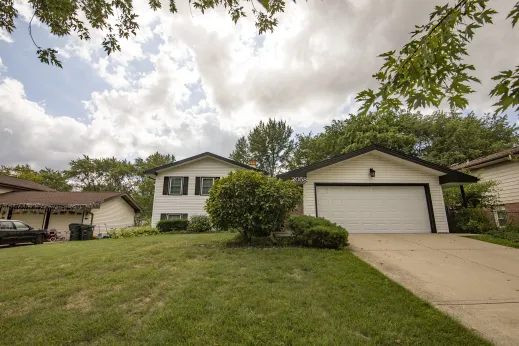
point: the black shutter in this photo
(197, 186)
(165, 188)
(185, 185)
(163, 216)
(184, 216)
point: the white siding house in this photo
(187, 184)
(503, 168)
(378, 190)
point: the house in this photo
(503, 168)
(182, 187)
(378, 190)
(42, 207)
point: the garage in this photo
(378, 190)
(375, 209)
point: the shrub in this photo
(199, 224)
(508, 232)
(175, 225)
(472, 220)
(133, 232)
(316, 232)
(252, 202)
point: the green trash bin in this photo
(81, 232)
(75, 231)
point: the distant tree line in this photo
(443, 138)
(99, 174)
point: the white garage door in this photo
(375, 209)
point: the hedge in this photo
(316, 232)
(175, 225)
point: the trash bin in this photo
(81, 232)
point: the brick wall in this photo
(513, 211)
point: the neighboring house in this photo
(182, 187)
(43, 207)
(378, 190)
(503, 168)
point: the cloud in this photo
(190, 82)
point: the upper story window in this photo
(176, 185)
(207, 184)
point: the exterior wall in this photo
(60, 222)
(34, 220)
(513, 212)
(5, 190)
(507, 175)
(114, 213)
(388, 170)
(190, 204)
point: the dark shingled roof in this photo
(199, 156)
(487, 159)
(22, 184)
(60, 200)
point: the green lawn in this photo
(190, 290)
(490, 239)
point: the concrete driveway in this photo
(474, 281)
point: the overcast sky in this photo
(189, 83)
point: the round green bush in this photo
(252, 202)
(199, 224)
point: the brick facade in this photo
(513, 211)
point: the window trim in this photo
(181, 186)
(177, 214)
(497, 212)
(202, 185)
(16, 228)
(13, 228)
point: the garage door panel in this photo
(375, 209)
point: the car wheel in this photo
(39, 239)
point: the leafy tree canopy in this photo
(118, 18)
(431, 69)
(270, 144)
(51, 178)
(444, 138)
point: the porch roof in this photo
(61, 200)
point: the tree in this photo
(270, 144)
(396, 130)
(145, 186)
(443, 138)
(430, 68)
(251, 202)
(104, 174)
(453, 138)
(241, 152)
(483, 194)
(55, 179)
(118, 19)
(51, 178)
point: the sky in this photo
(192, 82)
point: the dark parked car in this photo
(14, 231)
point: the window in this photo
(20, 226)
(207, 184)
(176, 185)
(173, 216)
(501, 217)
(6, 225)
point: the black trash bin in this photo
(81, 232)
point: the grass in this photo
(491, 239)
(190, 290)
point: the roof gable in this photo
(60, 200)
(198, 157)
(448, 176)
